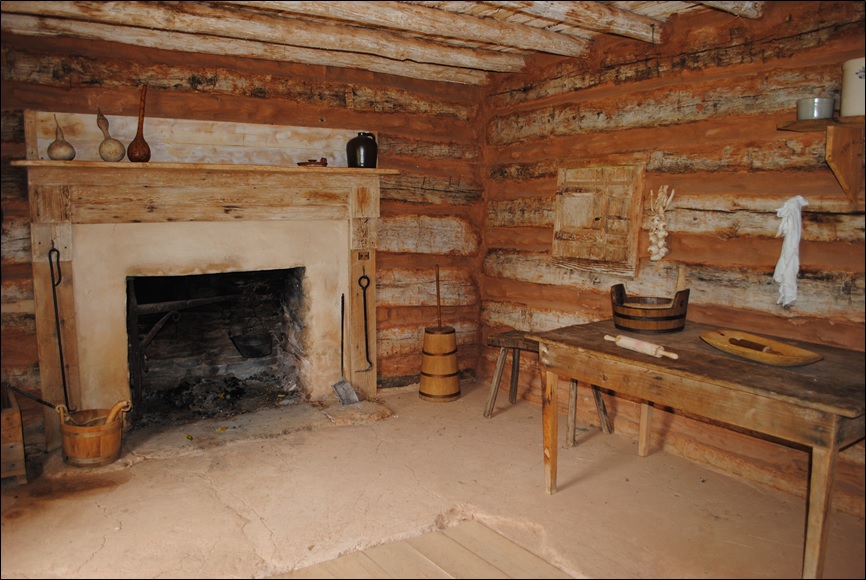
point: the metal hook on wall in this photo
(364, 283)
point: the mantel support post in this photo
(52, 229)
(362, 368)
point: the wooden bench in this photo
(516, 341)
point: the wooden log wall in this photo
(475, 194)
(430, 212)
(701, 112)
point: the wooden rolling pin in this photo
(636, 345)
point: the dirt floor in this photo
(265, 493)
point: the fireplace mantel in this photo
(102, 192)
(112, 220)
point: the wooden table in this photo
(820, 405)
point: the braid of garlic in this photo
(658, 227)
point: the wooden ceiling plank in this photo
(593, 16)
(181, 42)
(188, 17)
(438, 23)
(745, 9)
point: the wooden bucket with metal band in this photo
(440, 379)
(648, 314)
(92, 437)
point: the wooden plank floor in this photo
(468, 550)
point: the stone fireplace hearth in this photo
(110, 222)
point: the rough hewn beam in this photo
(593, 16)
(190, 17)
(183, 42)
(422, 20)
(744, 9)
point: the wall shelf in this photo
(813, 125)
(844, 149)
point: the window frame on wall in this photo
(597, 220)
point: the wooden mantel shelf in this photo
(124, 192)
(223, 167)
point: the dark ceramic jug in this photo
(361, 151)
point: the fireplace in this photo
(214, 345)
(111, 222)
(105, 256)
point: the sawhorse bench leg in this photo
(515, 341)
(497, 376)
(643, 440)
(600, 408)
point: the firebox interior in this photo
(214, 345)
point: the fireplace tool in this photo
(345, 392)
(32, 397)
(364, 283)
(54, 257)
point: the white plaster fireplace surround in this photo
(103, 256)
(168, 218)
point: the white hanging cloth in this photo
(789, 262)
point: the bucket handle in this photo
(67, 419)
(123, 406)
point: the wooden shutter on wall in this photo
(598, 218)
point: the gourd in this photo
(60, 149)
(138, 149)
(110, 149)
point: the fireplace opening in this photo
(214, 345)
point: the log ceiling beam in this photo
(745, 9)
(407, 17)
(193, 18)
(181, 42)
(455, 42)
(593, 16)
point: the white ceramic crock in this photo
(853, 85)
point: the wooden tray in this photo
(759, 348)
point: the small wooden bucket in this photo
(648, 314)
(92, 437)
(440, 380)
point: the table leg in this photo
(820, 483)
(571, 419)
(643, 440)
(549, 427)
